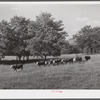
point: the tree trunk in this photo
(45, 57)
(82, 50)
(19, 57)
(91, 50)
(23, 57)
(88, 51)
(27, 57)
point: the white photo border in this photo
(52, 93)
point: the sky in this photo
(74, 16)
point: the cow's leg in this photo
(48, 63)
(21, 68)
(54, 64)
(23, 57)
(16, 70)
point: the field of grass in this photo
(85, 75)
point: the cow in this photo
(63, 61)
(47, 63)
(56, 61)
(87, 58)
(41, 63)
(51, 61)
(16, 66)
(69, 60)
(2, 56)
(77, 59)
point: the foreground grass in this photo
(85, 75)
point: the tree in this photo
(88, 38)
(64, 49)
(47, 36)
(82, 37)
(73, 49)
(6, 38)
(20, 30)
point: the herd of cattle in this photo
(52, 62)
(61, 61)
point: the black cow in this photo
(69, 60)
(87, 58)
(17, 66)
(77, 59)
(51, 61)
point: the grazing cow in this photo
(47, 63)
(51, 61)
(56, 61)
(66, 60)
(63, 61)
(87, 57)
(69, 60)
(2, 56)
(17, 66)
(40, 63)
(77, 59)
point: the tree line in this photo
(88, 39)
(41, 37)
(44, 37)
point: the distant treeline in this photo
(44, 37)
(23, 37)
(88, 39)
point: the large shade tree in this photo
(47, 36)
(6, 38)
(20, 30)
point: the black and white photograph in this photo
(49, 45)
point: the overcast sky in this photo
(74, 16)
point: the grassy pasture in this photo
(85, 75)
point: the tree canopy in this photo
(42, 37)
(88, 39)
(47, 35)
